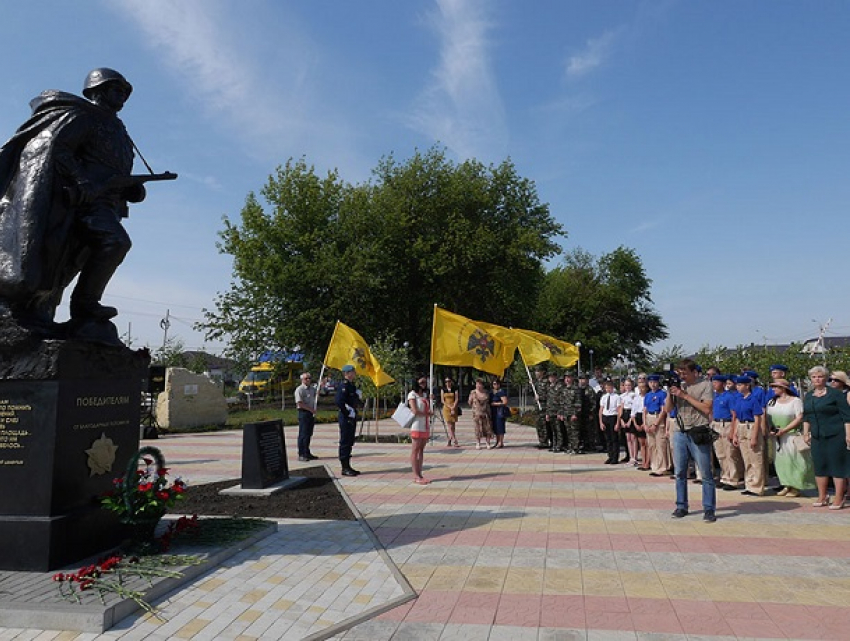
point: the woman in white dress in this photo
(793, 458)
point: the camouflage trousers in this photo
(543, 437)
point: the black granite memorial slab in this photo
(64, 437)
(263, 455)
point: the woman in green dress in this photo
(785, 416)
(826, 426)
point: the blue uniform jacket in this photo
(746, 408)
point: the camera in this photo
(670, 377)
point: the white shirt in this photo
(628, 399)
(637, 404)
(609, 403)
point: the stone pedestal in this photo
(69, 424)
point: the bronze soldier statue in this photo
(65, 181)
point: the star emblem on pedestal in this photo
(101, 455)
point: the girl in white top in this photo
(626, 426)
(419, 404)
(638, 424)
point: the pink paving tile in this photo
(640, 605)
(661, 623)
(606, 604)
(595, 541)
(739, 610)
(626, 542)
(470, 537)
(564, 611)
(810, 630)
(562, 541)
(695, 624)
(518, 609)
(695, 608)
(609, 621)
(500, 539)
(760, 629)
(476, 608)
(532, 539)
(432, 606)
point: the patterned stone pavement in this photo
(521, 544)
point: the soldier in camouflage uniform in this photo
(542, 387)
(554, 424)
(570, 411)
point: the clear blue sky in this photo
(712, 137)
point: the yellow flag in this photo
(456, 340)
(510, 339)
(347, 347)
(563, 354)
(532, 350)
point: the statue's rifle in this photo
(72, 194)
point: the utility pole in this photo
(165, 324)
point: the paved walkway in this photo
(521, 544)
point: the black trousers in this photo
(612, 437)
(306, 423)
(347, 431)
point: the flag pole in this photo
(431, 367)
(530, 380)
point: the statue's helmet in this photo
(101, 76)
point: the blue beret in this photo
(653, 377)
(743, 379)
(750, 372)
(348, 368)
(720, 377)
(780, 367)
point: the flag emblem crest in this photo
(482, 344)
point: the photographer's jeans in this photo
(685, 449)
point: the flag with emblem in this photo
(457, 340)
(531, 349)
(347, 347)
(561, 353)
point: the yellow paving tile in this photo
(191, 629)
(448, 579)
(282, 604)
(621, 527)
(249, 616)
(562, 581)
(524, 580)
(602, 583)
(363, 599)
(485, 580)
(211, 584)
(683, 587)
(253, 596)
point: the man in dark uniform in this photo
(571, 410)
(587, 439)
(541, 387)
(553, 407)
(63, 190)
(348, 401)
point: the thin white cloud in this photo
(461, 108)
(221, 57)
(596, 53)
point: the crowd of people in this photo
(717, 430)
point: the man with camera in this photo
(692, 399)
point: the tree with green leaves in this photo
(603, 302)
(379, 255)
